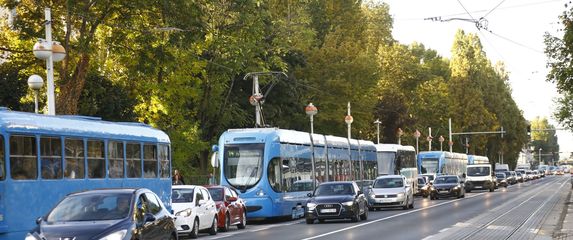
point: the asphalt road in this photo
(516, 212)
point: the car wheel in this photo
(411, 204)
(243, 222)
(321, 220)
(195, 231)
(492, 189)
(227, 223)
(364, 216)
(356, 216)
(172, 237)
(213, 229)
(310, 221)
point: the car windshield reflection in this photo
(442, 180)
(388, 183)
(91, 207)
(334, 189)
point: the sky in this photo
(513, 34)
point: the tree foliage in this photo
(180, 66)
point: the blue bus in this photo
(265, 163)
(475, 159)
(442, 163)
(398, 159)
(43, 158)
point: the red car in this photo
(231, 209)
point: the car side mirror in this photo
(231, 199)
(462, 182)
(360, 192)
(201, 202)
(309, 194)
(39, 220)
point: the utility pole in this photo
(258, 98)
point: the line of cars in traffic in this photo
(138, 213)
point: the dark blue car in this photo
(107, 214)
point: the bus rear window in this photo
(23, 157)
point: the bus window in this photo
(133, 155)
(96, 160)
(164, 160)
(115, 158)
(51, 157)
(74, 158)
(274, 174)
(150, 161)
(2, 173)
(23, 160)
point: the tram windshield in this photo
(243, 164)
(429, 165)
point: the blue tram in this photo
(442, 163)
(268, 165)
(43, 158)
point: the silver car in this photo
(391, 191)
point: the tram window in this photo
(2, 173)
(115, 157)
(133, 155)
(164, 161)
(51, 157)
(150, 161)
(74, 158)
(274, 174)
(96, 160)
(23, 160)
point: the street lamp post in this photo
(400, 133)
(417, 135)
(311, 110)
(377, 122)
(50, 51)
(441, 139)
(348, 119)
(35, 82)
(540, 155)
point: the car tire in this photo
(243, 222)
(356, 216)
(195, 230)
(310, 221)
(173, 236)
(364, 216)
(492, 189)
(321, 220)
(213, 228)
(225, 227)
(411, 206)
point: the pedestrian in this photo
(177, 178)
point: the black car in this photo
(107, 214)
(336, 200)
(502, 179)
(447, 186)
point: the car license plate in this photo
(444, 191)
(479, 187)
(328, 210)
(385, 200)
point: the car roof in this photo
(109, 191)
(339, 182)
(443, 176)
(185, 186)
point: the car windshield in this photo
(334, 189)
(216, 193)
(388, 183)
(430, 177)
(442, 180)
(478, 171)
(92, 207)
(500, 176)
(421, 181)
(182, 195)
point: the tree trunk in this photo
(71, 90)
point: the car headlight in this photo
(115, 235)
(311, 206)
(401, 194)
(349, 203)
(185, 213)
(457, 188)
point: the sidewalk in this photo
(559, 222)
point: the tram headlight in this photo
(260, 193)
(30, 236)
(115, 235)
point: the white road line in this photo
(390, 217)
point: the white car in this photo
(391, 191)
(195, 210)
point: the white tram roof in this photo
(71, 125)
(298, 137)
(387, 147)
